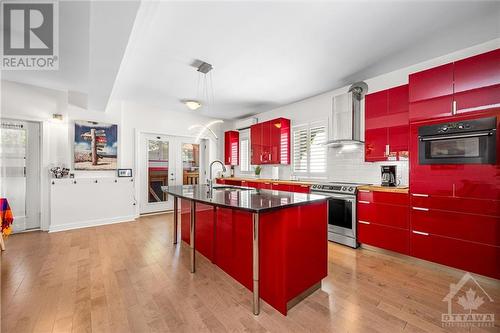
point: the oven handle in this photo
(457, 136)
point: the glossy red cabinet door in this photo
(389, 238)
(431, 93)
(266, 143)
(469, 256)
(477, 72)
(301, 188)
(231, 147)
(477, 82)
(386, 124)
(256, 144)
(398, 121)
(431, 83)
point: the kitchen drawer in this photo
(265, 186)
(463, 205)
(476, 228)
(469, 256)
(300, 188)
(280, 187)
(385, 237)
(384, 214)
(232, 182)
(383, 197)
(220, 181)
(249, 184)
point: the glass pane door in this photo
(190, 163)
(158, 170)
(13, 157)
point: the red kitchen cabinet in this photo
(383, 220)
(256, 149)
(386, 124)
(468, 85)
(469, 256)
(270, 142)
(231, 147)
(431, 83)
(281, 187)
(301, 188)
(477, 82)
(389, 238)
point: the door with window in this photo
(20, 171)
(168, 161)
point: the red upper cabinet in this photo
(431, 83)
(468, 85)
(270, 142)
(386, 124)
(477, 82)
(231, 147)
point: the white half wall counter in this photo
(87, 202)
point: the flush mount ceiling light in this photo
(192, 105)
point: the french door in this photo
(168, 161)
(20, 171)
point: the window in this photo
(244, 151)
(309, 150)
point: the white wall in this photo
(20, 101)
(350, 166)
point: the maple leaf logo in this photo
(470, 301)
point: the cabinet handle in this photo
(364, 191)
(420, 233)
(387, 150)
(363, 202)
(275, 184)
(304, 185)
(363, 222)
(420, 195)
(454, 108)
(420, 208)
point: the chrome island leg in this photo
(255, 246)
(191, 235)
(176, 218)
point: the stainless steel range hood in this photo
(346, 119)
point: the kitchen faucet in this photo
(210, 181)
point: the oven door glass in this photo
(340, 213)
(458, 149)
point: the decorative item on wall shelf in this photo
(59, 172)
(258, 169)
(124, 172)
(96, 146)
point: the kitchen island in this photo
(272, 242)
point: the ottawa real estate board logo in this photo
(467, 302)
(30, 35)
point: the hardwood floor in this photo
(130, 278)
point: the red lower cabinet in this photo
(390, 238)
(383, 220)
(470, 256)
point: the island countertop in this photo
(242, 198)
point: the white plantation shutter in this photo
(300, 146)
(244, 155)
(309, 150)
(317, 149)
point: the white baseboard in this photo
(91, 223)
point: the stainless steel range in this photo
(341, 211)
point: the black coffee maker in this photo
(388, 175)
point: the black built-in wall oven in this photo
(461, 142)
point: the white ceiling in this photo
(269, 54)
(265, 54)
(92, 42)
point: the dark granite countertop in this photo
(242, 198)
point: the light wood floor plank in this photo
(129, 277)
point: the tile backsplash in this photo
(344, 166)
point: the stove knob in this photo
(460, 126)
(444, 128)
(344, 188)
(351, 189)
